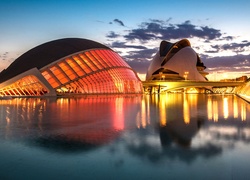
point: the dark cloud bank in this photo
(157, 30)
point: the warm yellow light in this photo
(215, 111)
(186, 113)
(235, 108)
(225, 107)
(143, 114)
(225, 75)
(186, 75)
(243, 112)
(141, 76)
(209, 109)
(163, 114)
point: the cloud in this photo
(137, 56)
(235, 63)
(156, 29)
(233, 47)
(118, 44)
(140, 60)
(112, 34)
(119, 22)
(228, 38)
(4, 56)
(212, 51)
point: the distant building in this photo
(176, 61)
(67, 66)
(242, 79)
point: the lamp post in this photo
(160, 73)
(186, 75)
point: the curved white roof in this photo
(177, 57)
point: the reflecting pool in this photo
(172, 136)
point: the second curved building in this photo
(176, 61)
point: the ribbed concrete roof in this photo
(47, 53)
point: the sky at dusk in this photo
(218, 30)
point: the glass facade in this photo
(26, 86)
(69, 66)
(99, 71)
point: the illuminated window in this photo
(26, 86)
(75, 67)
(83, 65)
(97, 54)
(67, 70)
(94, 60)
(88, 62)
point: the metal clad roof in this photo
(47, 53)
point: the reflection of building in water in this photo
(225, 107)
(143, 116)
(89, 120)
(176, 115)
(183, 125)
(179, 132)
(186, 111)
(235, 110)
(68, 66)
(166, 108)
(243, 112)
(21, 113)
(204, 139)
(221, 109)
(180, 115)
(118, 119)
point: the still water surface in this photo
(172, 136)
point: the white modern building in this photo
(176, 61)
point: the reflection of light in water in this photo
(8, 131)
(186, 114)
(243, 112)
(209, 108)
(236, 115)
(192, 99)
(28, 109)
(163, 109)
(212, 109)
(148, 111)
(143, 116)
(119, 114)
(140, 117)
(215, 111)
(8, 116)
(141, 120)
(138, 120)
(40, 116)
(225, 107)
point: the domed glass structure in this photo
(69, 66)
